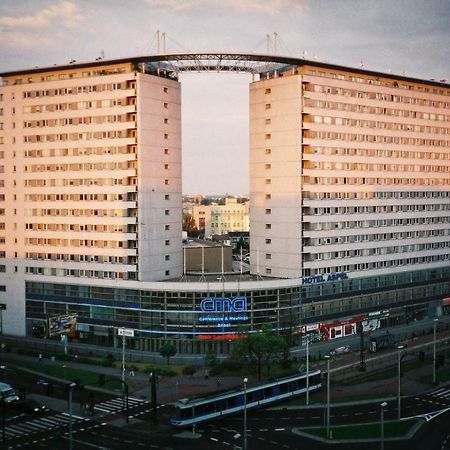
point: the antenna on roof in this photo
(361, 63)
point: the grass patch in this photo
(366, 431)
(57, 370)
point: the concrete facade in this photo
(349, 172)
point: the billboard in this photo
(62, 324)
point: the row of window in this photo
(112, 134)
(380, 153)
(317, 226)
(342, 121)
(79, 121)
(113, 165)
(329, 210)
(132, 196)
(366, 195)
(381, 96)
(378, 110)
(376, 265)
(377, 81)
(98, 228)
(379, 138)
(127, 181)
(374, 167)
(376, 237)
(80, 151)
(394, 249)
(78, 89)
(52, 271)
(324, 181)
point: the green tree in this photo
(168, 350)
(189, 225)
(261, 349)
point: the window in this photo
(167, 257)
(268, 181)
(268, 136)
(166, 182)
(268, 196)
(268, 166)
(268, 271)
(268, 91)
(167, 242)
(165, 89)
(268, 241)
(166, 197)
(268, 226)
(167, 212)
(268, 121)
(268, 211)
(167, 273)
(166, 120)
(166, 136)
(166, 166)
(166, 151)
(268, 106)
(167, 227)
(166, 105)
(268, 151)
(268, 255)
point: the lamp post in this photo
(307, 370)
(435, 321)
(327, 357)
(123, 354)
(399, 348)
(71, 386)
(383, 405)
(245, 413)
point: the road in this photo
(268, 429)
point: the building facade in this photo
(91, 177)
(349, 175)
(349, 172)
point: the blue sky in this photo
(402, 36)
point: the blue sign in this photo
(230, 306)
(224, 304)
(322, 278)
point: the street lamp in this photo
(399, 348)
(383, 405)
(71, 386)
(307, 370)
(327, 357)
(435, 321)
(245, 413)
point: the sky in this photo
(409, 37)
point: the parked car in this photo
(29, 406)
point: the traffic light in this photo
(421, 356)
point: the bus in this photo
(203, 408)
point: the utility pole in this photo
(153, 397)
(362, 356)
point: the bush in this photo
(189, 370)
(231, 364)
(107, 362)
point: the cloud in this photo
(269, 7)
(64, 13)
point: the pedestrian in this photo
(206, 375)
(218, 382)
(40, 356)
(131, 373)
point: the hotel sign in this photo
(325, 278)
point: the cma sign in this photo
(224, 304)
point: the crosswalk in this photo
(117, 404)
(39, 424)
(442, 393)
(50, 422)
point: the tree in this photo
(168, 350)
(189, 224)
(261, 349)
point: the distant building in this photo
(220, 219)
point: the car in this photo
(29, 406)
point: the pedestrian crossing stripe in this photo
(40, 424)
(441, 393)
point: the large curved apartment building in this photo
(349, 216)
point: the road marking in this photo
(214, 439)
(279, 429)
